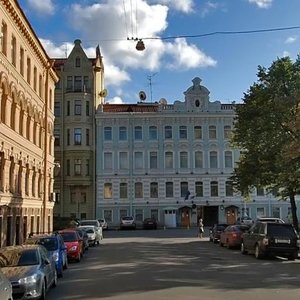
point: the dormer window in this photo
(77, 62)
(197, 103)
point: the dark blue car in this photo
(55, 245)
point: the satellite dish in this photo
(142, 95)
(103, 93)
(163, 101)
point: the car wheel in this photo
(221, 244)
(257, 253)
(43, 291)
(54, 284)
(228, 245)
(78, 257)
(66, 265)
(243, 249)
(215, 241)
(60, 272)
(293, 256)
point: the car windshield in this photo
(242, 228)
(89, 230)
(279, 230)
(127, 218)
(49, 243)
(221, 227)
(18, 258)
(69, 236)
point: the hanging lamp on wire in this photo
(140, 46)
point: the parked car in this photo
(215, 232)
(30, 269)
(127, 223)
(103, 224)
(244, 220)
(74, 244)
(90, 222)
(232, 235)
(266, 219)
(149, 223)
(5, 288)
(271, 239)
(55, 245)
(93, 233)
(85, 238)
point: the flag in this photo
(187, 195)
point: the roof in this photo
(125, 108)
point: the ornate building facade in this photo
(78, 93)
(27, 82)
(172, 162)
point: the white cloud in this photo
(262, 3)
(290, 40)
(208, 7)
(185, 6)
(115, 100)
(44, 7)
(285, 54)
(188, 56)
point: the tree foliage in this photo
(267, 129)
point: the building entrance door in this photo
(185, 217)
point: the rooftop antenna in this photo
(149, 77)
(66, 50)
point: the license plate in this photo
(282, 241)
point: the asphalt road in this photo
(174, 264)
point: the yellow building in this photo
(27, 82)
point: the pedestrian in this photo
(201, 229)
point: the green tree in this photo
(267, 130)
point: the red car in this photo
(232, 235)
(74, 244)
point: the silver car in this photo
(94, 234)
(5, 288)
(30, 269)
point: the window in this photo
(183, 132)
(168, 132)
(152, 133)
(28, 70)
(212, 132)
(169, 190)
(214, 189)
(184, 189)
(123, 190)
(87, 108)
(138, 160)
(138, 190)
(107, 133)
(107, 190)
(83, 197)
(123, 160)
(227, 132)
(260, 191)
(4, 38)
(77, 136)
(138, 133)
(77, 62)
(260, 212)
(22, 61)
(77, 167)
(199, 188)
(57, 109)
(153, 190)
(87, 137)
(40, 85)
(122, 133)
(56, 137)
(87, 167)
(77, 84)
(108, 164)
(68, 137)
(153, 160)
(68, 167)
(276, 212)
(229, 189)
(228, 159)
(108, 215)
(13, 50)
(35, 79)
(57, 197)
(183, 160)
(68, 108)
(197, 132)
(198, 159)
(213, 159)
(77, 108)
(169, 160)
(85, 83)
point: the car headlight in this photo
(55, 256)
(29, 280)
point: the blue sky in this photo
(227, 64)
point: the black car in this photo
(149, 223)
(215, 232)
(271, 239)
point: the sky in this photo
(179, 40)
